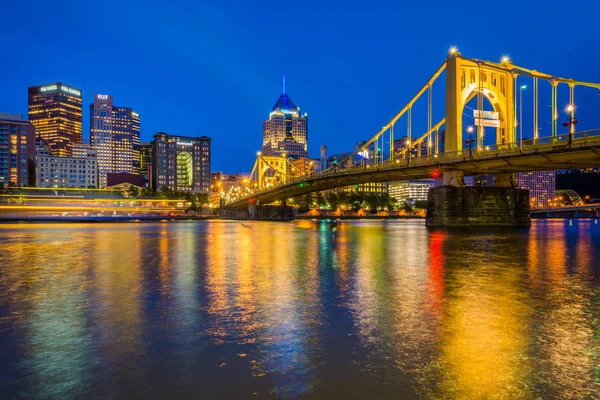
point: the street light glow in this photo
(570, 107)
(524, 87)
(453, 50)
(505, 59)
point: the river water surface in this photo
(307, 309)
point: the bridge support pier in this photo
(454, 205)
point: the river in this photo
(305, 309)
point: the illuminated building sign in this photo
(184, 143)
(70, 90)
(48, 88)
(64, 88)
(102, 96)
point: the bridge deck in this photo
(546, 154)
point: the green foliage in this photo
(133, 192)
(320, 200)
(373, 202)
(332, 201)
(305, 202)
(196, 201)
(146, 192)
(406, 207)
(356, 202)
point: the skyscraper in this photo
(285, 131)
(115, 133)
(181, 162)
(17, 151)
(55, 112)
(541, 185)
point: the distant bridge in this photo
(587, 210)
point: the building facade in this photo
(181, 162)
(146, 163)
(541, 186)
(286, 131)
(304, 166)
(115, 134)
(411, 190)
(17, 151)
(77, 171)
(423, 149)
(55, 110)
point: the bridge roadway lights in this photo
(455, 205)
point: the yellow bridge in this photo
(465, 79)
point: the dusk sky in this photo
(214, 68)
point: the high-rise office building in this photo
(541, 186)
(17, 151)
(286, 131)
(181, 162)
(55, 112)
(115, 133)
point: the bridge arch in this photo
(465, 79)
(271, 170)
(498, 107)
(569, 196)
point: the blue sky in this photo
(214, 67)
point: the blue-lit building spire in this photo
(285, 131)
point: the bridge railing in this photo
(529, 146)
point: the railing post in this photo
(554, 103)
(535, 111)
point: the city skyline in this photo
(353, 68)
(171, 228)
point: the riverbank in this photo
(349, 217)
(348, 214)
(111, 219)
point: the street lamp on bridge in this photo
(571, 122)
(470, 141)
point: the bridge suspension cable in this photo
(407, 108)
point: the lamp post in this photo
(521, 115)
(470, 141)
(571, 122)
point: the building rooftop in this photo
(183, 137)
(12, 117)
(284, 103)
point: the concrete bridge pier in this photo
(455, 204)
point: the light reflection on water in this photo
(307, 309)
